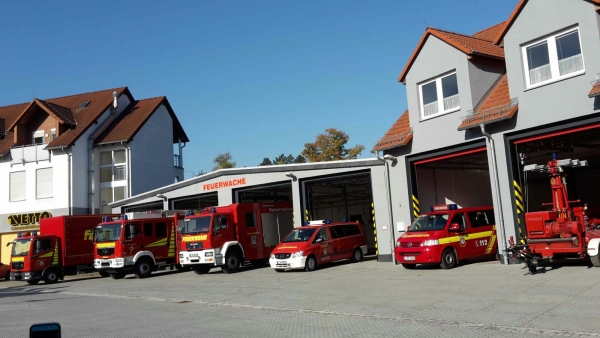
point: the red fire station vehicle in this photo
(228, 236)
(565, 231)
(318, 243)
(63, 247)
(138, 242)
(447, 235)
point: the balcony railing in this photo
(29, 153)
(177, 161)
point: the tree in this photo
(266, 161)
(223, 161)
(300, 159)
(201, 173)
(331, 146)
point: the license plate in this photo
(409, 258)
(193, 255)
(281, 263)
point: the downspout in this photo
(123, 144)
(497, 191)
(388, 189)
(69, 179)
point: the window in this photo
(42, 245)
(481, 218)
(38, 137)
(351, 230)
(43, 183)
(132, 226)
(52, 134)
(445, 87)
(251, 220)
(460, 219)
(113, 177)
(161, 230)
(147, 229)
(337, 231)
(17, 186)
(553, 58)
(322, 234)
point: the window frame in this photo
(553, 58)
(113, 184)
(440, 96)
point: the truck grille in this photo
(283, 256)
(18, 265)
(106, 251)
(410, 244)
(194, 246)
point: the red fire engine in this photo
(63, 247)
(566, 231)
(138, 242)
(228, 236)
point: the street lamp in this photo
(392, 159)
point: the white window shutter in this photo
(17, 186)
(44, 180)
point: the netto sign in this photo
(28, 220)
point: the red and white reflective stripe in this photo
(443, 157)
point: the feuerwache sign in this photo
(26, 221)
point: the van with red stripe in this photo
(447, 235)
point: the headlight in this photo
(208, 254)
(297, 254)
(431, 242)
(397, 243)
(272, 256)
(180, 256)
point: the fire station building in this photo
(76, 154)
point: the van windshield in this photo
(108, 232)
(300, 235)
(21, 247)
(199, 225)
(429, 222)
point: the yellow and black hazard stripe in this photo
(374, 229)
(490, 246)
(55, 255)
(520, 210)
(416, 208)
(172, 242)
(306, 213)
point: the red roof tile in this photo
(467, 44)
(495, 106)
(99, 102)
(595, 88)
(397, 136)
(490, 33)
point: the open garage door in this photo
(341, 197)
(460, 177)
(278, 192)
(196, 202)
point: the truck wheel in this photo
(103, 273)
(51, 276)
(595, 260)
(201, 269)
(409, 266)
(448, 259)
(143, 267)
(233, 261)
(33, 282)
(117, 275)
(311, 264)
(357, 256)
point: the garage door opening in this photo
(196, 203)
(582, 183)
(341, 197)
(280, 192)
(461, 178)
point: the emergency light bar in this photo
(319, 222)
(444, 207)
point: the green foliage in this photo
(331, 146)
(223, 161)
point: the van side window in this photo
(322, 234)
(351, 230)
(251, 220)
(161, 230)
(460, 219)
(147, 229)
(479, 218)
(337, 231)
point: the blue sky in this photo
(256, 78)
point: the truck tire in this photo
(143, 267)
(117, 275)
(311, 263)
(33, 282)
(201, 269)
(51, 276)
(448, 259)
(103, 273)
(409, 266)
(595, 260)
(233, 261)
(357, 256)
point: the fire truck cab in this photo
(138, 243)
(447, 235)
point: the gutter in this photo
(123, 144)
(70, 179)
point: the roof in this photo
(2, 128)
(398, 135)
(595, 89)
(494, 107)
(67, 110)
(131, 120)
(470, 45)
(490, 33)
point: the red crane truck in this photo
(138, 243)
(228, 236)
(63, 247)
(565, 231)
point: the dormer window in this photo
(553, 58)
(444, 87)
(38, 137)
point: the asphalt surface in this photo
(367, 299)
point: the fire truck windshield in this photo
(430, 222)
(108, 232)
(300, 235)
(197, 225)
(21, 247)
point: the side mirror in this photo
(9, 243)
(454, 227)
(180, 228)
(319, 240)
